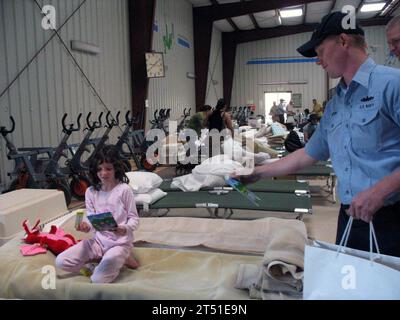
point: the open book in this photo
(242, 189)
(103, 221)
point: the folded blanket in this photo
(229, 235)
(281, 271)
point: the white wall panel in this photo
(52, 85)
(175, 90)
(215, 87)
(249, 82)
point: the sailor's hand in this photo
(246, 177)
(365, 204)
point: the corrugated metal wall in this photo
(52, 85)
(249, 83)
(215, 79)
(249, 79)
(173, 19)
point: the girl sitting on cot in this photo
(109, 193)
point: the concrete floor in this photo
(321, 224)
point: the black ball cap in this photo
(331, 24)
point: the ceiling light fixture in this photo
(290, 13)
(372, 7)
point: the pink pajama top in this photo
(120, 202)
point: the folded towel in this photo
(281, 271)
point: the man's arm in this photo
(287, 165)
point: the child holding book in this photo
(110, 192)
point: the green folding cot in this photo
(321, 170)
(228, 200)
(273, 186)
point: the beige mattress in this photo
(164, 273)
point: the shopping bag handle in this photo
(372, 239)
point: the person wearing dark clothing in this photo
(196, 122)
(219, 118)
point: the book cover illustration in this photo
(103, 221)
(242, 189)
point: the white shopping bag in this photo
(340, 273)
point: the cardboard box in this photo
(28, 204)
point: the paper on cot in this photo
(242, 189)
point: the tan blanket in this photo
(252, 236)
(228, 235)
(163, 274)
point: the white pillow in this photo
(150, 197)
(194, 182)
(278, 130)
(143, 182)
(220, 165)
(233, 149)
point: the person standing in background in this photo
(317, 108)
(196, 122)
(290, 113)
(272, 111)
(393, 36)
(281, 110)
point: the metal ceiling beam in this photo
(228, 64)
(253, 19)
(215, 3)
(202, 33)
(141, 16)
(266, 33)
(228, 10)
(391, 10)
(388, 2)
(233, 24)
(374, 22)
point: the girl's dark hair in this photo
(220, 104)
(109, 154)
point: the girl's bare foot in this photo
(132, 263)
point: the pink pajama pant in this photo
(112, 259)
